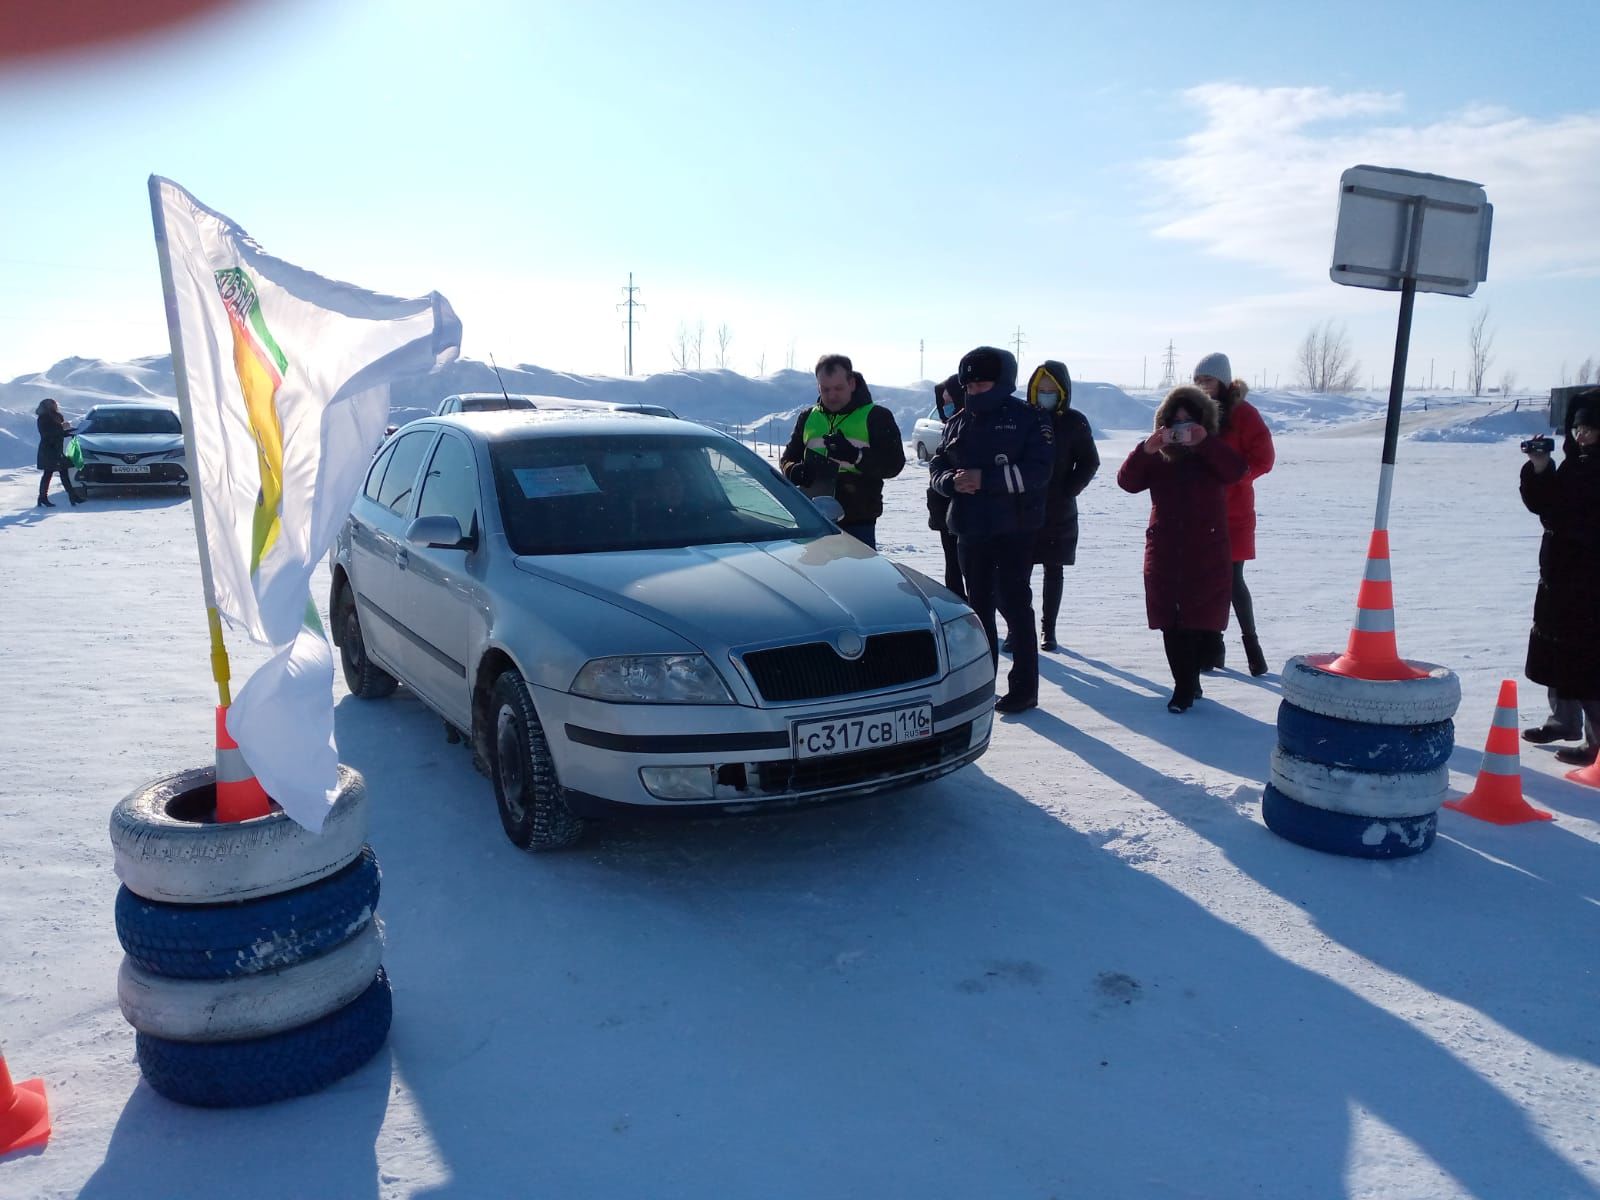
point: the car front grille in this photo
(159, 472)
(815, 670)
(848, 770)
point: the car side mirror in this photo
(828, 507)
(441, 532)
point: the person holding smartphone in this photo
(1563, 653)
(1188, 566)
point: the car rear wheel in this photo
(362, 676)
(532, 808)
(922, 452)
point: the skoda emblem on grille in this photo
(851, 644)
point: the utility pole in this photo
(1017, 341)
(1169, 367)
(630, 304)
(922, 365)
(1144, 373)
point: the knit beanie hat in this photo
(1216, 366)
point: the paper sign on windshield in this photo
(544, 483)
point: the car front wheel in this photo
(532, 809)
(922, 452)
(362, 676)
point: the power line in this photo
(630, 304)
(1169, 367)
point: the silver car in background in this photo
(636, 614)
(131, 445)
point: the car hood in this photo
(727, 596)
(130, 443)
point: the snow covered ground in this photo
(1081, 967)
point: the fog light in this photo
(678, 783)
(980, 728)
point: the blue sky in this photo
(826, 176)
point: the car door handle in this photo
(402, 558)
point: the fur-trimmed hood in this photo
(1192, 398)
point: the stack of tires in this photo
(1360, 765)
(253, 953)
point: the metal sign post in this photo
(1400, 231)
(1380, 243)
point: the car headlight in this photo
(652, 679)
(964, 640)
(174, 455)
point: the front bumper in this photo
(600, 749)
(157, 474)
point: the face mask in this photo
(1049, 400)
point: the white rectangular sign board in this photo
(1374, 246)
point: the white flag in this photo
(286, 379)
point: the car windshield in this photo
(575, 495)
(131, 420)
(494, 403)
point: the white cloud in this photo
(1258, 182)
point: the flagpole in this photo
(180, 378)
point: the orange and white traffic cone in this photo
(1372, 652)
(239, 794)
(1589, 775)
(24, 1112)
(1497, 796)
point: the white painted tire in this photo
(249, 1006)
(1434, 697)
(168, 848)
(1380, 794)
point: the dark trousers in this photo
(996, 571)
(952, 564)
(1243, 606)
(1053, 580)
(44, 482)
(864, 531)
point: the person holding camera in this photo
(1563, 651)
(993, 465)
(845, 446)
(948, 397)
(1188, 575)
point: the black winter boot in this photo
(1212, 650)
(1180, 659)
(1253, 655)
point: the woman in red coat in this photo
(1186, 561)
(1241, 426)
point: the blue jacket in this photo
(998, 434)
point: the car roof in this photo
(511, 424)
(133, 406)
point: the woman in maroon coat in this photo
(1187, 569)
(1241, 426)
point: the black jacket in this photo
(1001, 436)
(53, 433)
(1563, 647)
(859, 492)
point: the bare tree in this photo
(761, 365)
(790, 362)
(1480, 340)
(724, 337)
(1508, 381)
(1325, 360)
(680, 348)
(697, 340)
(1586, 371)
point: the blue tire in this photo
(265, 1070)
(1341, 833)
(1357, 746)
(245, 937)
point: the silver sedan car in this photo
(625, 613)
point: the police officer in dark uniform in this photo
(994, 464)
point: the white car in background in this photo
(926, 434)
(131, 445)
